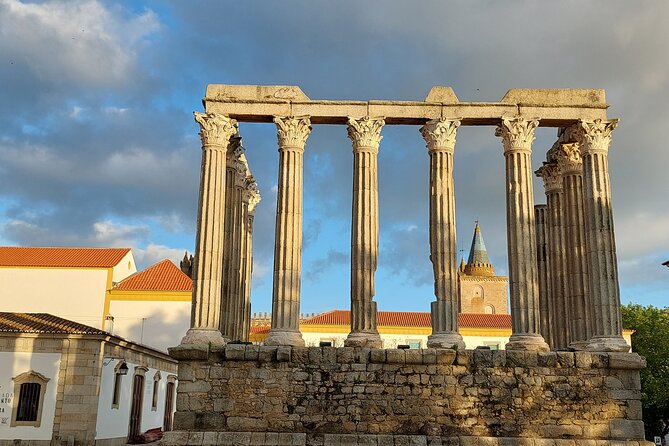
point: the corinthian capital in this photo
(293, 131)
(251, 194)
(215, 129)
(517, 133)
(439, 134)
(241, 169)
(552, 176)
(569, 158)
(596, 135)
(365, 132)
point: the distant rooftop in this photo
(163, 276)
(61, 257)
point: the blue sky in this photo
(98, 146)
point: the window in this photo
(154, 399)
(414, 343)
(27, 409)
(120, 370)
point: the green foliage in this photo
(651, 339)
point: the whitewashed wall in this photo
(113, 423)
(13, 364)
(75, 294)
(164, 322)
(393, 340)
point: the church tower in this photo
(480, 290)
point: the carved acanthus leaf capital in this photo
(552, 176)
(596, 135)
(215, 129)
(517, 133)
(439, 134)
(293, 131)
(241, 170)
(365, 132)
(569, 158)
(251, 194)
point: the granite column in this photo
(439, 135)
(365, 134)
(292, 133)
(517, 137)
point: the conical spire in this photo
(478, 263)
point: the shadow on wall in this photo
(159, 329)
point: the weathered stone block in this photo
(413, 356)
(345, 355)
(251, 352)
(417, 440)
(565, 359)
(385, 440)
(283, 353)
(267, 353)
(377, 355)
(483, 358)
(195, 438)
(547, 359)
(241, 438)
(175, 438)
(300, 355)
(626, 429)
(315, 355)
(210, 439)
(257, 439)
(395, 356)
(246, 424)
(445, 356)
(463, 357)
(429, 356)
(329, 355)
(234, 352)
(361, 355)
(594, 431)
(600, 360)
(626, 361)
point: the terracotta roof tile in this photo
(42, 323)
(258, 329)
(163, 276)
(61, 257)
(413, 319)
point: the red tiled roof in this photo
(61, 257)
(413, 319)
(259, 329)
(163, 276)
(42, 323)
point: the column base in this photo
(203, 336)
(527, 342)
(284, 337)
(579, 345)
(446, 340)
(607, 344)
(371, 340)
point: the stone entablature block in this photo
(436, 393)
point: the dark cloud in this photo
(97, 126)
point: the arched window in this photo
(489, 309)
(120, 371)
(156, 384)
(27, 408)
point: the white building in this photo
(65, 382)
(95, 286)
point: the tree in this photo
(651, 339)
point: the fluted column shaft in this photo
(232, 230)
(215, 132)
(541, 224)
(292, 134)
(580, 303)
(600, 240)
(439, 135)
(557, 260)
(250, 199)
(365, 134)
(517, 136)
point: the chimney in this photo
(108, 324)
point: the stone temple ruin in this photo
(566, 376)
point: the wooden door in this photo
(136, 408)
(169, 404)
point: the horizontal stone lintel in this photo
(184, 438)
(357, 355)
(553, 107)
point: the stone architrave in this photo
(439, 135)
(595, 138)
(517, 136)
(557, 261)
(543, 269)
(292, 133)
(365, 134)
(215, 132)
(250, 199)
(580, 303)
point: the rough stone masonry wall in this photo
(283, 395)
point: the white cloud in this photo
(73, 41)
(154, 253)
